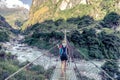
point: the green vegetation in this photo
(3, 36)
(47, 10)
(95, 40)
(111, 20)
(109, 5)
(43, 40)
(79, 10)
(112, 68)
(9, 64)
(6, 31)
(14, 14)
(100, 46)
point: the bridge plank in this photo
(69, 74)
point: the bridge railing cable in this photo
(92, 63)
(98, 67)
(10, 76)
(71, 57)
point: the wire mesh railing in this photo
(47, 61)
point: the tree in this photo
(85, 21)
(111, 20)
(4, 36)
(59, 22)
(111, 44)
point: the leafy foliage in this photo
(111, 68)
(4, 36)
(90, 36)
(9, 65)
(47, 10)
(111, 20)
(99, 46)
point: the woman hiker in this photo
(63, 51)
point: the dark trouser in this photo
(63, 58)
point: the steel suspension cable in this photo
(93, 64)
(29, 63)
(98, 67)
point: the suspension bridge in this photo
(73, 72)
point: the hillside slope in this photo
(55, 9)
(14, 16)
(6, 31)
(3, 22)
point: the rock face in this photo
(67, 4)
(55, 9)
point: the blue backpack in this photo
(62, 51)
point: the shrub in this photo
(3, 36)
(111, 68)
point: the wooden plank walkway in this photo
(69, 74)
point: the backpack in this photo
(62, 51)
